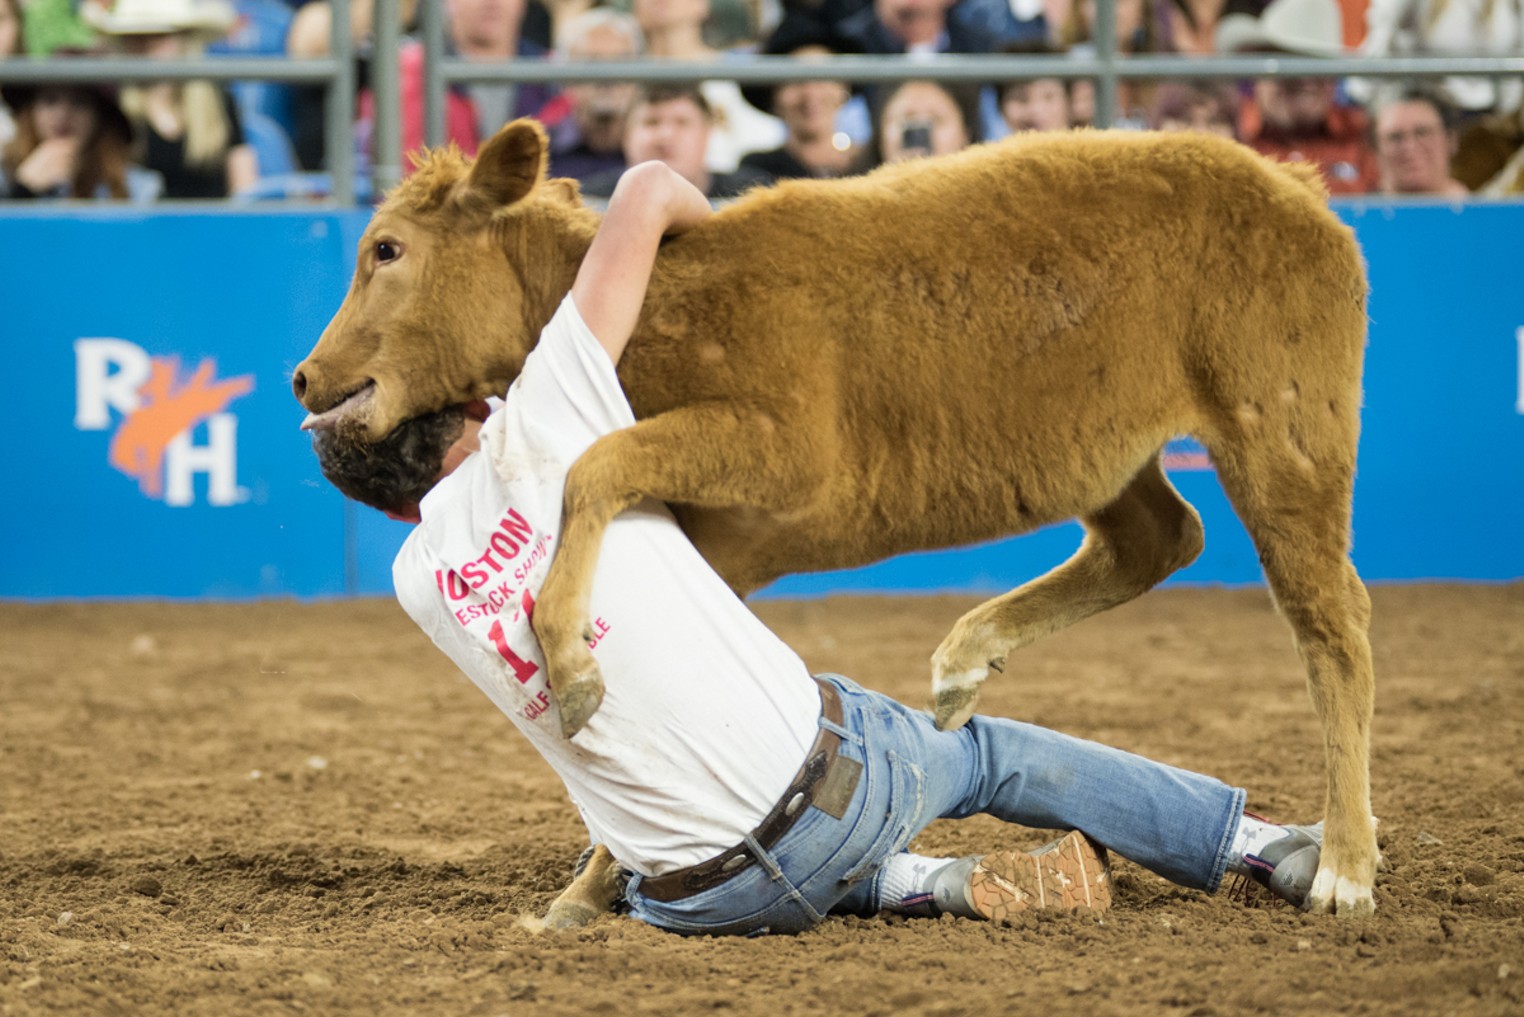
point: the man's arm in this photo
(651, 200)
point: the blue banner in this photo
(159, 454)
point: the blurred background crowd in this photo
(197, 139)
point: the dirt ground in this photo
(284, 808)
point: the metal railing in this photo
(1108, 68)
(336, 72)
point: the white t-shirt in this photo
(706, 715)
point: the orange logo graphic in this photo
(166, 409)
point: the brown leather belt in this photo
(825, 781)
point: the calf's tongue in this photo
(330, 418)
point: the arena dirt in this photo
(285, 808)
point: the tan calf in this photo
(942, 352)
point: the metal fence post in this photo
(433, 73)
(386, 137)
(339, 114)
(1106, 87)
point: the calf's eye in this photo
(386, 252)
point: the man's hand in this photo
(50, 164)
(650, 201)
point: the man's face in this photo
(913, 22)
(1412, 147)
(675, 132)
(1041, 105)
(601, 102)
(484, 23)
(659, 15)
(916, 105)
(808, 108)
(1295, 104)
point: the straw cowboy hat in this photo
(209, 19)
(1302, 27)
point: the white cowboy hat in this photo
(208, 18)
(1303, 27)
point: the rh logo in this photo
(159, 411)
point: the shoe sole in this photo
(1066, 875)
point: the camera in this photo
(916, 134)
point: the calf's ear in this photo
(508, 167)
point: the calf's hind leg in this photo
(1147, 532)
(1294, 499)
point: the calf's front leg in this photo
(707, 456)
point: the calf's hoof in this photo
(956, 697)
(1340, 895)
(578, 700)
(570, 915)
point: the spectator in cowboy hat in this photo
(188, 131)
(72, 141)
(813, 145)
(1300, 118)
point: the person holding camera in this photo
(921, 118)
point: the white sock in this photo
(1251, 837)
(904, 883)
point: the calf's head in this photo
(457, 272)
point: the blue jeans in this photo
(1177, 823)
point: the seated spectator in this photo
(1301, 118)
(1415, 139)
(814, 147)
(1195, 106)
(1448, 28)
(491, 31)
(72, 141)
(1036, 104)
(923, 26)
(1141, 27)
(587, 135)
(10, 46)
(922, 118)
(672, 125)
(674, 30)
(189, 131)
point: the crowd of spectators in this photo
(194, 139)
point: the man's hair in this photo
(655, 94)
(1030, 48)
(392, 474)
(1434, 96)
